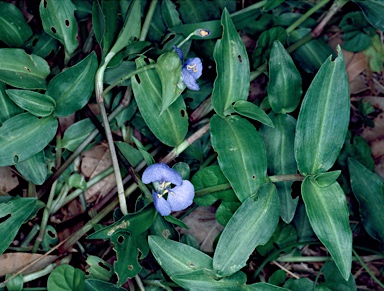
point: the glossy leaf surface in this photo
(279, 142)
(171, 126)
(14, 30)
(232, 66)
(8, 108)
(328, 214)
(58, 18)
(252, 224)
(35, 103)
(369, 192)
(323, 119)
(241, 154)
(13, 214)
(176, 258)
(66, 278)
(284, 86)
(34, 169)
(72, 88)
(21, 70)
(24, 135)
(373, 11)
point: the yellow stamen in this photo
(192, 67)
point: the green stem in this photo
(30, 236)
(129, 75)
(284, 178)
(44, 220)
(306, 15)
(148, 20)
(250, 8)
(367, 269)
(211, 189)
(139, 283)
(300, 42)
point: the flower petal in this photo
(189, 80)
(161, 205)
(194, 67)
(161, 173)
(180, 197)
(179, 52)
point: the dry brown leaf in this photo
(356, 64)
(377, 148)
(11, 262)
(371, 134)
(203, 226)
(8, 179)
(93, 162)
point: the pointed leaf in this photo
(12, 216)
(8, 108)
(34, 169)
(284, 86)
(176, 258)
(232, 67)
(279, 143)
(252, 225)
(323, 119)
(72, 88)
(24, 135)
(14, 30)
(35, 103)
(251, 110)
(131, 28)
(21, 70)
(172, 125)
(58, 18)
(168, 67)
(373, 11)
(242, 156)
(328, 214)
(369, 192)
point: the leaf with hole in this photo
(58, 18)
(14, 30)
(33, 102)
(23, 136)
(73, 87)
(12, 215)
(172, 125)
(99, 269)
(232, 67)
(22, 70)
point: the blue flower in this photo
(163, 177)
(191, 71)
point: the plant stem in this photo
(367, 269)
(211, 189)
(283, 178)
(148, 20)
(250, 8)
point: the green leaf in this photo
(328, 214)
(50, 238)
(35, 103)
(311, 55)
(323, 119)
(132, 154)
(279, 142)
(14, 30)
(23, 136)
(369, 192)
(77, 133)
(97, 285)
(264, 44)
(241, 151)
(42, 45)
(21, 70)
(12, 216)
(176, 221)
(58, 18)
(66, 278)
(284, 86)
(374, 12)
(8, 108)
(131, 28)
(149, 160)
(127, 248)
(176, 258)
(232, 67)
(251, 110)
(265, 287)
(168, 67)
(333, 279)
(15, 284)
(252, 224)
(34, 169)
(170, 15)
(207, 280)
(326, 179)
(133, 223)
(170, 127)
(73, 87)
